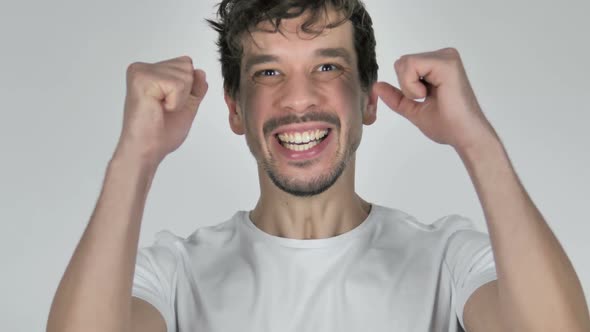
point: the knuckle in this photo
(135, 73)
(399, 63)
(133, 68)
(185, 62)
(410, 61)
(450, 57)
(451, 52)
(187, 71)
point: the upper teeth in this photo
(303, 137)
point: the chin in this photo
(310, 187)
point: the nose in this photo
(298, 94)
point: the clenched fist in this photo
(450, 113)
(160, 106)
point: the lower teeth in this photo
(302, 147)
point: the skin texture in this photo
(303, 83)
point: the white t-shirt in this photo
(390, 273)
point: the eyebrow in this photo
(338, 52)
(258, 59)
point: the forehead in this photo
(293, 42)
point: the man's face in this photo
(300, 104)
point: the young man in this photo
(313, 255)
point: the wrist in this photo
(480, 149)
(485, 159)
(133, 159)
(132, 154)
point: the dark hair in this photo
(238, 16)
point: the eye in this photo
(266, 73)
(328, 67)
(328, 71)
(268, 76)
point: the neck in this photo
(335, 211)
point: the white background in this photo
(62, 86)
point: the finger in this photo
(409, 80)
(429, 67)
(176, 90)
(395, 99)
(410, 73)
(179, 73)
(182, 64)
(198, 91)
(185, 59)
(200, 85)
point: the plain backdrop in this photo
(62, 87)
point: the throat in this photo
(308, 230)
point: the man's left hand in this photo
(450, 113)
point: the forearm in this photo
(95, 291)
(538, 288)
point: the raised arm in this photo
(95, 291)
(537, 288)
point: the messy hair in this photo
(235, 17)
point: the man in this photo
(313, 255)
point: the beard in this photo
(319, 183)
(315, 186)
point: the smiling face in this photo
(300, 104)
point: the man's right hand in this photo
(160, 106)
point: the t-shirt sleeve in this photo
(155, 275)
(470, 261)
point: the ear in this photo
(370, 113)
(236, 121)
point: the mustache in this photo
(272, 124)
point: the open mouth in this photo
(302, 141)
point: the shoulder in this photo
(452, 240)
(168, 247)
(406, 225)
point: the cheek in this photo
(352, 89)
(260, 102)
(249, 105)
(253, 109)
(346, 87)
(347, 98)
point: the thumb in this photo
(395, 99)
(198, 90)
